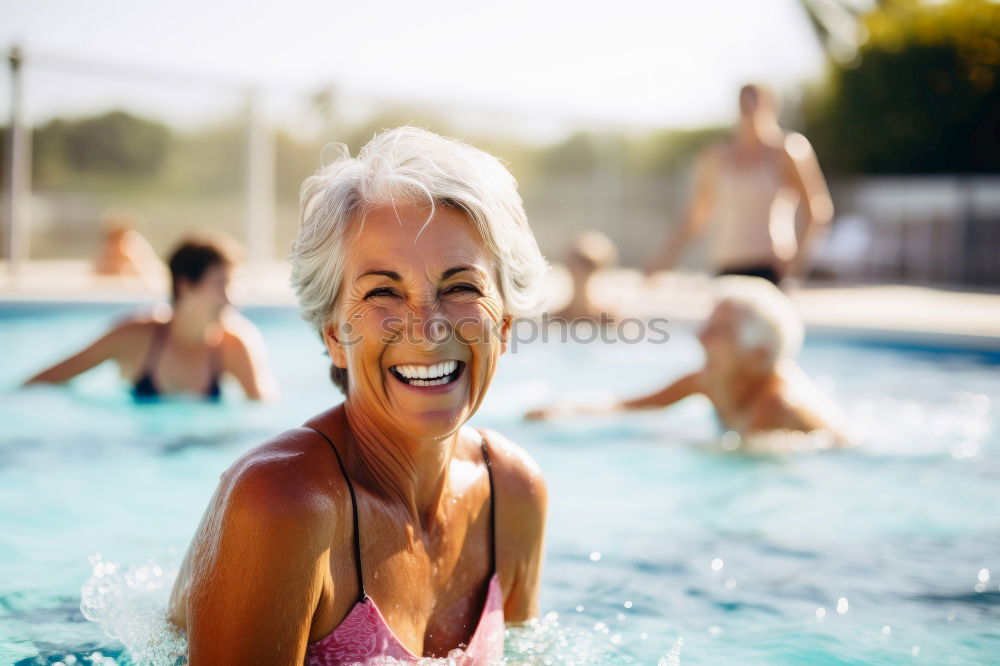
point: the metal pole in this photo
(18, 173)
(260, 184)
(606, 184)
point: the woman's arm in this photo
(668, 395)
(244, 356)
(521, 506)
(680, 389)
(253, 575)
(102, 349)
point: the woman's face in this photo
(420, 323)
(210, 294)
(720, 336)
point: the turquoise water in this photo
(660, 546)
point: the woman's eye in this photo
(380, 291)
(462, 289)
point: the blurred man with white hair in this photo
(750, 375)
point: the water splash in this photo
(545, 642)
(130, 605)
(673, 658)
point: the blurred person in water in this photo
(749, 186)
(750, 375)
(126, 253)
(589, 253)
(186, 348)
(386, 529)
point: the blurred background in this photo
(170, 118)
(200, 115)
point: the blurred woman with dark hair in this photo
(187, 351)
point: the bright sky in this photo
(527, 63)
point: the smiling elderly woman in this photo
(385, 527)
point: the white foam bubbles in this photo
(130, 605)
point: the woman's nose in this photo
(429, 327)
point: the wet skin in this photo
(271, 568)
(201, 324)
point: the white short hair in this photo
(767, 318)
(411, 165)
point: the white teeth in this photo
(429, 382)
(427, 375)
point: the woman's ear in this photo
(505, 327)
(335, 345)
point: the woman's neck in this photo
(397, 467)
(191, 327)
(737, 385)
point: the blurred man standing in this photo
(749, 186)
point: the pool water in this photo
(661, 547)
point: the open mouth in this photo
(436, 374)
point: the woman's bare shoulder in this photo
(515, 472)
(239, 333)
(272, 505)
(136, 328)
(236, 325)
(294, 472)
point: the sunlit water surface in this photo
(661, 548)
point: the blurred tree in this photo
(115, 144)
(209, 161)
(670, 152)
(920, 97)
(296, 159)
(836, 25)
(576, 154)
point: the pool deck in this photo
(896, 313)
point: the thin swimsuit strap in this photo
(493, 509)
(354, 512)
(215, 371)
(362, 595)
(155, 348)
(144, 388)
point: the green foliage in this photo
(662, 153)
(123, 156)
(922, 96)
(115, 144)
(576, 154)
(668, 152)
(207, 162)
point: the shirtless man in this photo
(750, 375)
(749, 186)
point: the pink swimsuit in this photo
(363, 637)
